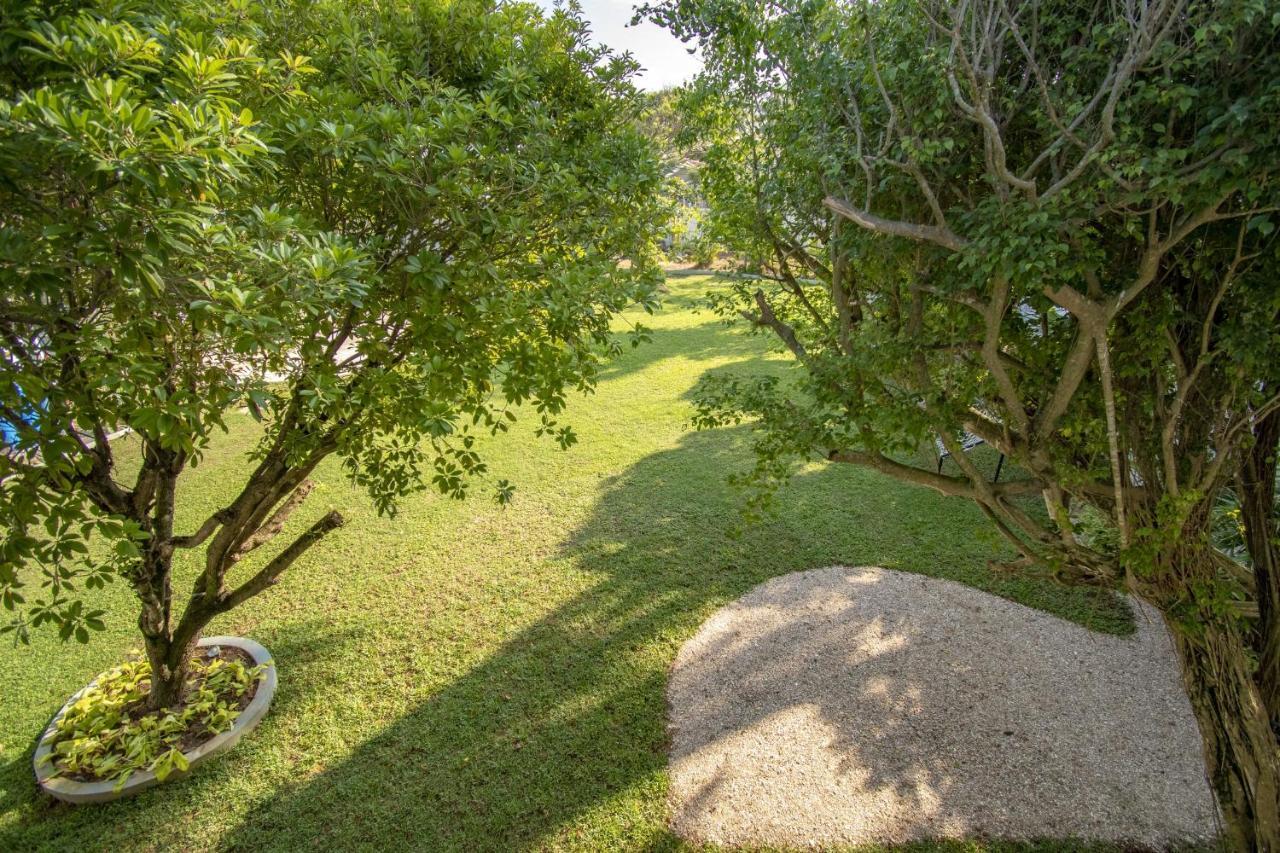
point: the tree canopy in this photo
(383, 229)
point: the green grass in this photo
(466, 677)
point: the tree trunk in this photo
(1257, 489)
(152, 583)
(1239, 745)
(169, 662)
(169, 647)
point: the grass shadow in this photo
(568, 716)
(710, 340)
(461, 680)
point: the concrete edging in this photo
(71, 791)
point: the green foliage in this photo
(704, 251)
(1097, 531)
(663, 122)
(952, 310)
(107, 734)
(383, 231)
(1228, 523)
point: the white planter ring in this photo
(71, 791)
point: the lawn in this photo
(470, 677)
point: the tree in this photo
(1049, 225)
(382, 229)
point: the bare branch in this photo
(1157, 249)
(766, 317)
(271, 572)
(1113, 438)
(1074, 369)
(195, 540)
(993, 314)
(944, 237)
(275, 524)
(942, 483)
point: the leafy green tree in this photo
(663, 122)
(1049, 225)
(383, 229)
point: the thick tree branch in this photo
(269, 573)
(275, 524)
(959, 487)
(939, 236)
(1074, 369)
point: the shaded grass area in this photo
(466, 677)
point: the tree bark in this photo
(153, 583)
(1239, 745)
(169, 662)
(1257, 488)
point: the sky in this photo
(666, 61)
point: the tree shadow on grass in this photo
(708, 340)
(678, 299)
(18, 778)
(559, 736)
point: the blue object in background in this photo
(30, 415)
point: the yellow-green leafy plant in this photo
(107, 733)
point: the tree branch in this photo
(1074, 369)
(951, 486)
(275, 524)
(939, 236)
(269, 573)
(766, 317)
(195, 540)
